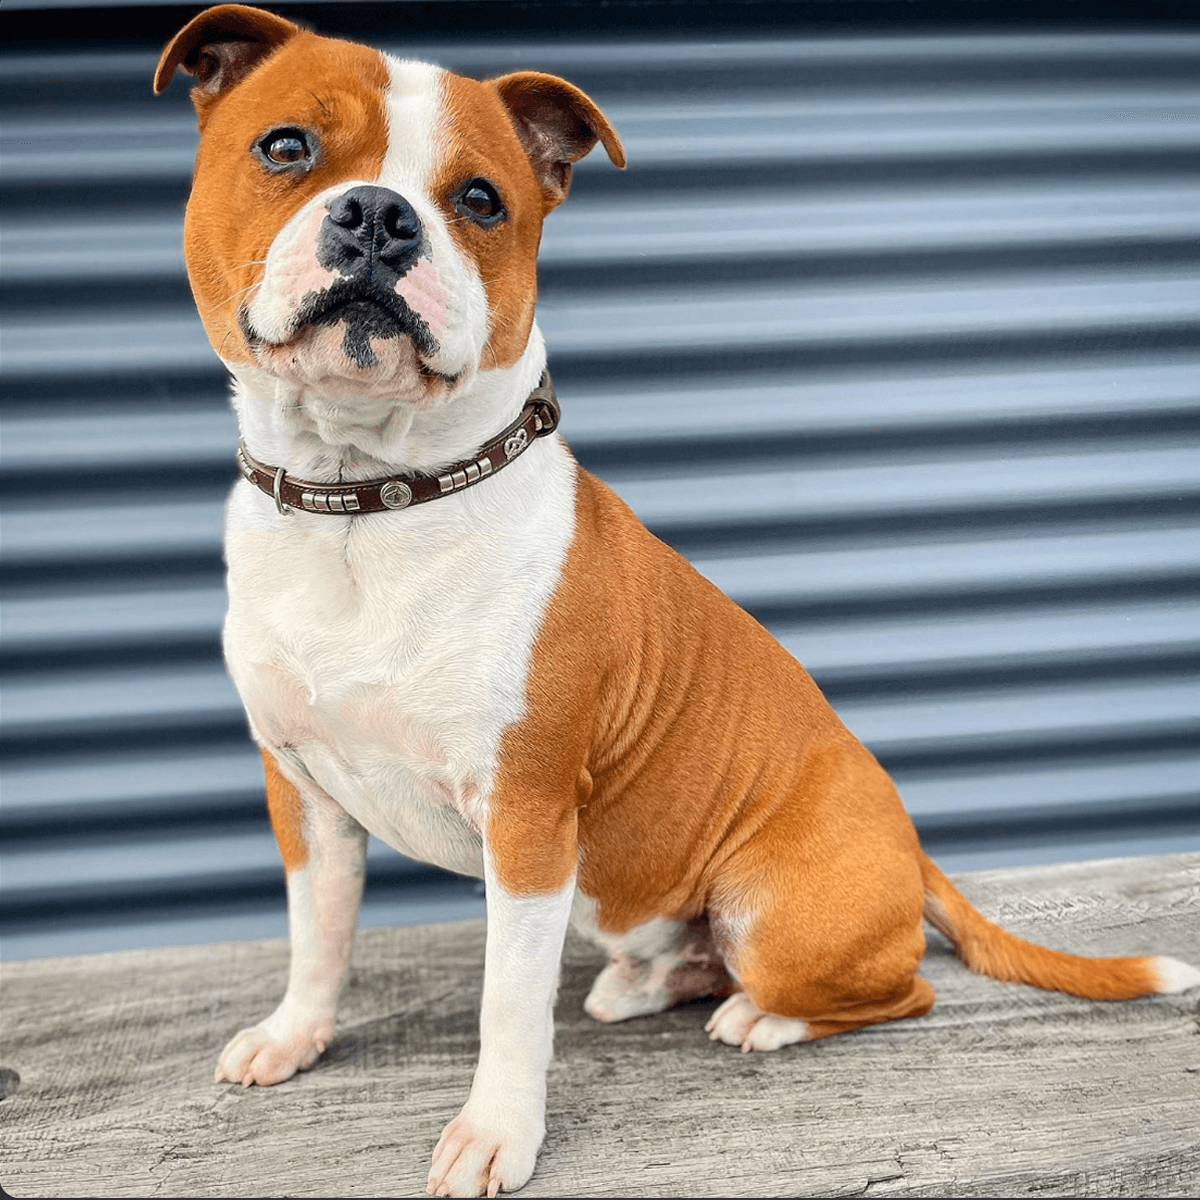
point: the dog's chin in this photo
(340, 362)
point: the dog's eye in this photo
(481, 202)
(285, 148)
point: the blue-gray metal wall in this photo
(927, 301)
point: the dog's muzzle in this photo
(370, 239)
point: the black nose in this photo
(369, 230)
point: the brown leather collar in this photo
(538, 418)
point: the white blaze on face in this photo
(416, 139)
(444, 288)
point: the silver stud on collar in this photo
(516, 442)
(396, 494)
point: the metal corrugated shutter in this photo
(928, 304)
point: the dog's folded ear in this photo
(557, 125)
(221, 47)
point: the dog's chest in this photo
(383, 662)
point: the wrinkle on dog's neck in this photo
(359, 438)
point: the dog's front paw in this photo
(272, 1052)
(485, 1150)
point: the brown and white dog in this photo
(515, 681)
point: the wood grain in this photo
(999, 1091)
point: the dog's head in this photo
(366, 225)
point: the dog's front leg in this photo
(324, 854)
(492, 1144)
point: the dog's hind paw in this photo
(740, 1022)
(265, 1054)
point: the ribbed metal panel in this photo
(925, 307)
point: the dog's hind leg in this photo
(821, 927)
(324, 852)
(797, 984)
(653, 967)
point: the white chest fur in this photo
(381, 658)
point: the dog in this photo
(447, 634)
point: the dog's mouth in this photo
(376, 312)
(367, 314)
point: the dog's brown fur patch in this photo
(286, 810)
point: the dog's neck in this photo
(362, 436)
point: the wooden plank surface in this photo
(999, 1091)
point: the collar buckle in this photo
(277, 492)
(545, 405)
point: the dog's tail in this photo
(989, 950)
